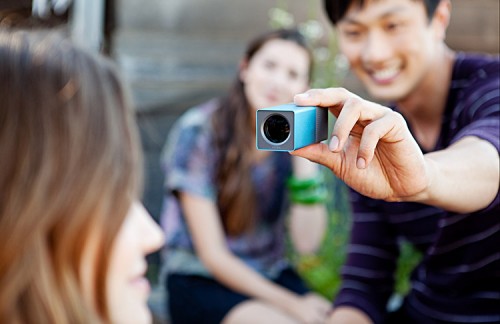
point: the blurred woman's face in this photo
(126, 285)
(276, 72)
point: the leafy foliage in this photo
(321, 271)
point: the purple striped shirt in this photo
(458, 279)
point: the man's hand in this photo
(371, 149)
(311, 309)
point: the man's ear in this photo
(441, 18)
(243, 67)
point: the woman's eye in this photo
(293, 75)
(269, 65)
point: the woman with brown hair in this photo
(226, 207)
(73, 235)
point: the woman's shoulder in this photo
(191, 131)
(193, 124)
(199, 115)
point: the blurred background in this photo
(178, 53)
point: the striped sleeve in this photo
(479, 109)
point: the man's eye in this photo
(352, 33)
(392, 26)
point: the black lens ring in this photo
(276, 129)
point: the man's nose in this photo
(377, 48)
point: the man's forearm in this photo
(463, 178)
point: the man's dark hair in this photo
(336, 9)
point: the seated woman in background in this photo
(73, 234)
(226, 202)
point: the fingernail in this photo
(301, 96)
(334, 143)
(361, 163)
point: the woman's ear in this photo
(441, 18)
(243, 67)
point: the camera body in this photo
(289, 127)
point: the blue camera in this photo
(289, 127)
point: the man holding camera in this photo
(425, 170)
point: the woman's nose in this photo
(151, 234)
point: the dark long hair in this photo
(234, 139)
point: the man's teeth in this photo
(386, 73)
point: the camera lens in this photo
(276, 129)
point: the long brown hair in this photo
(234, 139)
(70, 166)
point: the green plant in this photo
(321, 270)
(409, 257)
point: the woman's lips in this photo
(141, 284)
